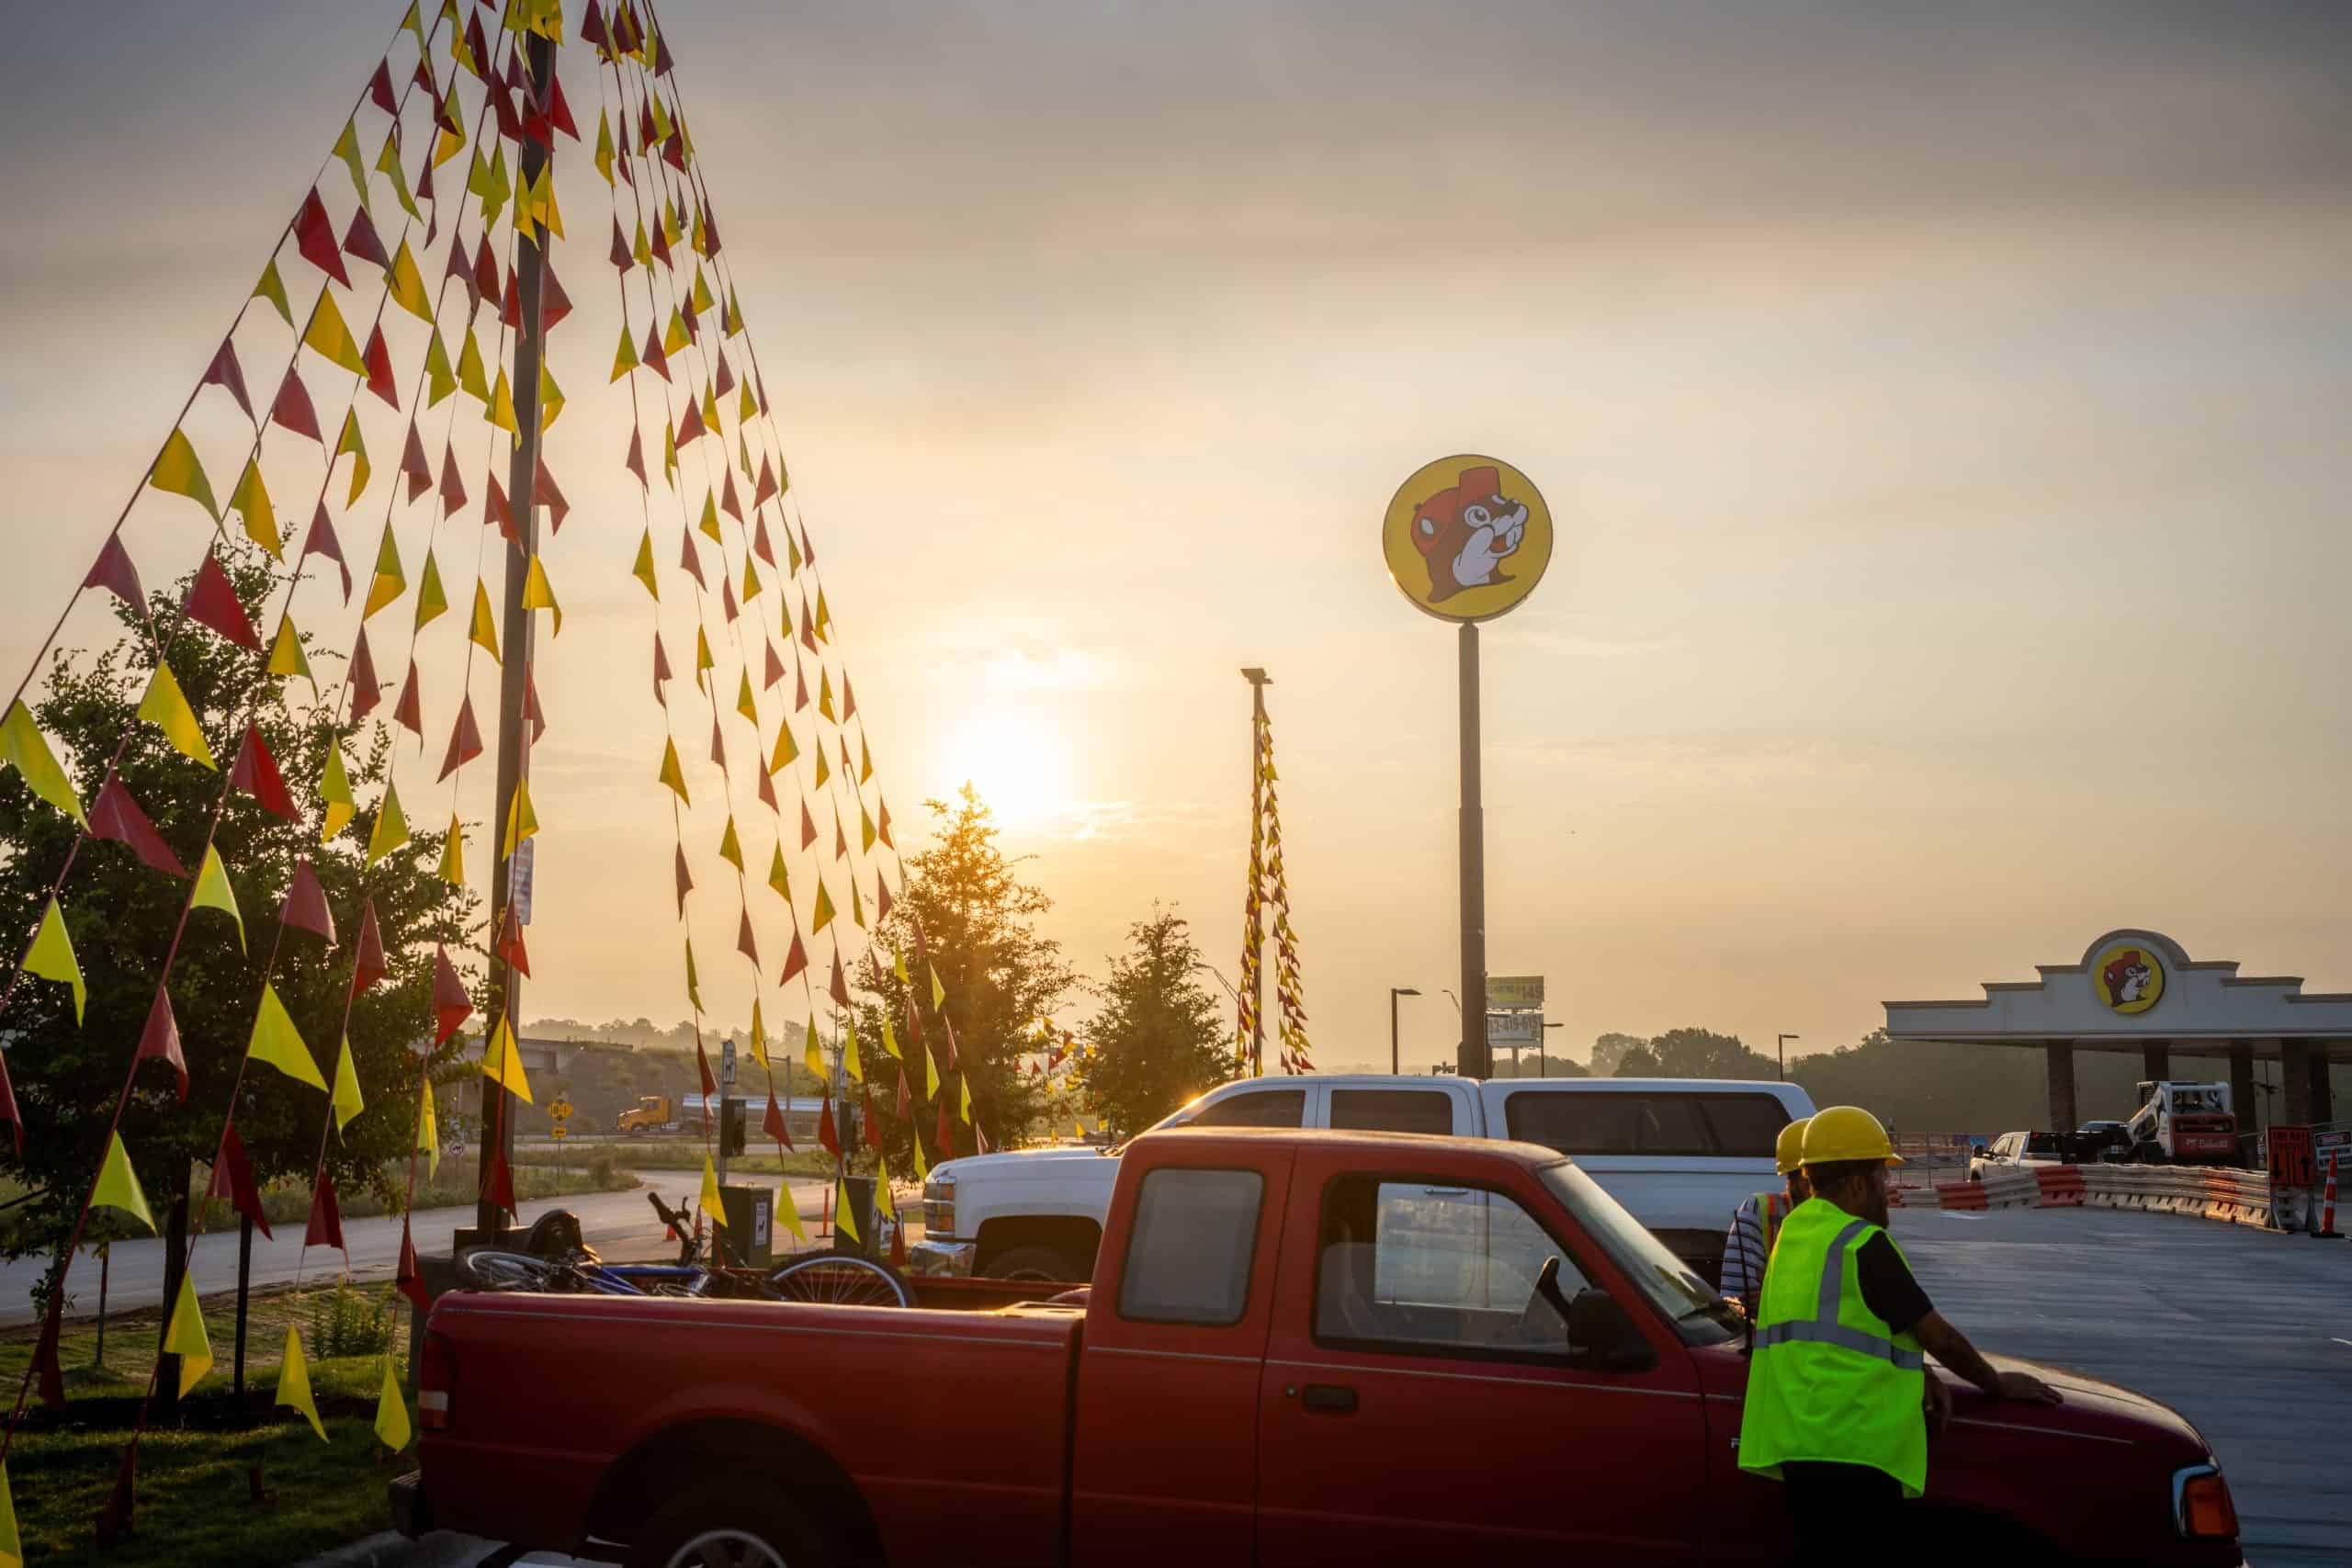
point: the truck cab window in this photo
(1392, 1111)
(1419, 1267)
(1189, 1254)
(1258, 1108)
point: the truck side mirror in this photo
(1602, 1336)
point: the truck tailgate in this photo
(937, 1417)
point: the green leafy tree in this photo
(120, 914)
(1703, 1053)
(1159, 1039)
(1638, 1062)
(1610, 1049)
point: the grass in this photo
(197, 1503)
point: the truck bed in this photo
(757, 1388)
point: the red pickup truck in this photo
(1298, 1348)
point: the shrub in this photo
(348, 1322)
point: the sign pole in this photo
(1473, 1059)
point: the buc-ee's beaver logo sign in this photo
(2128, 980)
(1467, 537)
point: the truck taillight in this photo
(437, 1380)
(2201, 1504)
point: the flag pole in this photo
(1258, 680)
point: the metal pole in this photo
(1392, 1032)
(244, 1302)
(105, 1258)
(522, 487)
(1257, 679)
(1474, 1061)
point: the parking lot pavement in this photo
(2247, 1334)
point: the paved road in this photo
(621, 1224)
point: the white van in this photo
(1679, 1153)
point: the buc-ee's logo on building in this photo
(1466, 537)
(2128, 980)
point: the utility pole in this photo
(522, 486)
(1474, 1060)
(1259, 680)
(1781, 1048)
(1394, 992)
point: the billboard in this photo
(1514, 990)
(1522, 1029)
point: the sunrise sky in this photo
(1942, 409)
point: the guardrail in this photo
(2235, 1197)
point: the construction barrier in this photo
(2233, 1197)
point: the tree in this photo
(1701, 1054)
(967, 912)
(1159, 1039)
(119, 913)
(1637, 1062)
(1610, 1049)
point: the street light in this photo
(1543, 1070)
(1781, 1048)
(1394, 992)
(1212, 969)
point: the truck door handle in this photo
(1328, 1399)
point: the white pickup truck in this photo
(1679, 1153)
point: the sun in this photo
(1018, 757)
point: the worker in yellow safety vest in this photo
(1755, 1224)
(1839, 1399)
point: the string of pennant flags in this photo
(414, 366)
(1268, 886)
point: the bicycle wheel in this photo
(490, 1269)
(835, 1278)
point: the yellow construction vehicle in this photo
(653, 1113)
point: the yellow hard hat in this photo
(1788, 1152)
(1847, 1133)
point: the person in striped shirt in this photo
(1756, 1225)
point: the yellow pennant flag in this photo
(883, 1200)
(751, 580)
(331, 338)
(347, 147)
(538, 594)
(501, 406)
(550, 399)
(779, 877)
(391, 827)
(388, 164)
(865, 828)
(501, 1063)
(544, 207)
(605, 151)
(345, 1096)
(643, 569)
(484, 633)
(472, 378)
(701, 297)
(787, 1214)
(166, 708)
(177, 472)
(640, 250)
(335, 794)
(432, 599)
(824, 915)
(624, 358)
(898, 964)
(521, 820)
(825, 694)
(841, 1215)
(23, 748)
(52, 956)
(743, 701)
(709, 408)
(439, 379)
(272, 288)
(277, 1042)
(286, 656)
(251, 499)
(693, 982)
(703, 659)
(890, 1040)
(119, 1186)
(824, 768)
(186, 1337)
(391, 1411)
(938, 991)
(351, 442)
(850, 1061)
(390, 581)
(294, 1382)
(408, 285)
(930, 1076)
(787, 751)
(676, 337)
(428, 1134)
(708, 522)
(213, 892)
(672, 774)
(856, 900)
(713, 1209)
(452, 869)
(747, 406)
(922, 1165)
(730, 847)
(758, 1036)
(813, 1054)
(964, 1096)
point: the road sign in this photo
(1466, 537)
(559, 1131)
(559, 1108)
(727, 1063)
(1505, 991)
(1522, 1029)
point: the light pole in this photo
(1543, 1070)
(1213, 969)
(1394, 992)
(1781, 1048)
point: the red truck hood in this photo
(2094, 1408)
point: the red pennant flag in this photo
(465, 739)
(661, 255)
(306, 903)
(873, 1121)
(825, 1133)
(510, 308)
(46, 1366)
(407, 1278)
(906, 1102)
(498, 1182)
(651, 355)
(496, 510)
(233, 1178)
(635, 463)
(379, 368)
(224, 371)
(849, 711)
(775, 665)
(760, 545)
(537, 127)
(480, 46)
(560, 112)
(767, 789)
(502, 104)
(119, 1517)
(727, 597)
(451, 1006)
(725, 378)
(691, 426)
(485, 271)
(686, 882)
(293, 410)
(717, 745)
(839, 989)
(744, 943)
(544, 493)
(409, 712)
(531, 703)
(881, 897)
(882, 827)
(114, 572)
(414, 465)
(691, 561)
(322, 541)
(379, 89)
(795, 961)
(766, 488)
(619, 255)
(326, 1228)
(897, 1246)
(160, 1040)
(212, 600)
(591, 27)
(367, 689)
(711, 232)
(114, 814)
(509, 946)
(255, 772)
(726, 502)
(314, 237)
(645, 123)
(361, 239)
(369, 966)
(807, 827)
(800, 689)
(702, 1059)
(453, 489)
(808, 550)
(674, 152)
(554, 303)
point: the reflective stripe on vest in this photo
(1822, 1328)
